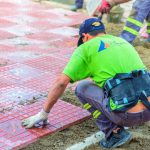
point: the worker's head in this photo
(89, 29)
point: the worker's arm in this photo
(106, 5)
(75, 70)
(116, 2)
(55, 92)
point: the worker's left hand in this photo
(30, 122)
(105, 7)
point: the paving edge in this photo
(93, 139)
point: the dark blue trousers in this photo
(94, 101)
(140, 12)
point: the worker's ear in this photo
(85, 37)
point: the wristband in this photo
(44, 113)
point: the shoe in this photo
(116, 139)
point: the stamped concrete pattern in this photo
(36, 41)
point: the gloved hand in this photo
(42, 116)
(105, 7)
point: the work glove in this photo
(105, 7)
(36, 120)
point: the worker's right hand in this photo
(105, 7)
(30, 122)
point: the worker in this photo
(140, 12)
(117, 96)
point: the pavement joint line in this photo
(91, 140)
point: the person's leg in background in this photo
(148, 26)
(78, 5)
(140, 11)
(92, 96)
(145, 41)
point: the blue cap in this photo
(88, 26)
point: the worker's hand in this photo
(42, 116)
(105, 7)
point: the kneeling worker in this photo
(118, 95)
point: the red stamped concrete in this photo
(36, 42)
(18, 73)
(6, 48)
(14, 136)
(48, 64)
(41, 83)
(6, 23)
(61, 44)
(6, 35)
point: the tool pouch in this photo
(126, 90)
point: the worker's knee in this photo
(82, 87)
(89, 90)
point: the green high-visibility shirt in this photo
(101, 58)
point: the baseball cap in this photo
(88, 26)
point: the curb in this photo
(93, 139)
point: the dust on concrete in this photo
(63, 139)
(34, 99)
(23, 102)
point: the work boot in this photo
(116, 139)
